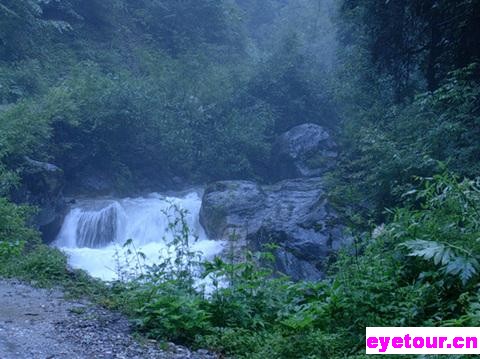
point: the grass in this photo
(46, 267)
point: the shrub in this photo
(14, 232)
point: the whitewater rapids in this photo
(95, 230)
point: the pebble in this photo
(61, 331)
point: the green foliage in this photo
(22, 23)
(23, 131)
(186, 24)
(8, 179)
(21, 252)
(44, 264)
(447, 229)
(247, 313)
(150, 126)
(14, 232)
(289, 85)
(243, 311)
(117, 91)
(172, 314)
(445, 122)
(408, 89)
(446, 256)
(385, 149)
(21, 79)
(412, 44)
(23, 256)
(162, 297)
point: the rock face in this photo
(42, 185)
(304, 151)
(293, 214)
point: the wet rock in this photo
(293, 214)
(94, 183)
(304, 151)
(42, 185)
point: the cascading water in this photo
(94, 230)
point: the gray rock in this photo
(304, 151)
(94, 183)
(292, 214)
(42, 186)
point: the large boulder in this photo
(292, 214)
(42, 185)
(304, 151)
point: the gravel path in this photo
(40, 324)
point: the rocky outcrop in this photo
(304, 151)
(94, 183)
(292, 214)
(42, 185)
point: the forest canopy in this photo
(183, 81)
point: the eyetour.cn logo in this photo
(424, 340)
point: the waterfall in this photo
(95, 230)
(94, 225)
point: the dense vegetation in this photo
(198, 89)
(412, 97)
(187, 96)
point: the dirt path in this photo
(40, 324)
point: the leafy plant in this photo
(446, 230)
(14, 232)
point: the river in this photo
(94, 231)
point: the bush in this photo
(173, 314)
(14, 232)
(446, 230)
(248, 313)
(386, 146)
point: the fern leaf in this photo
(465, 268)
(430, 250)
(6, 10)
(444, 255)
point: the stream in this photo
(95, 230)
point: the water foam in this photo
(96, 229)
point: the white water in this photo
(94, 230)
